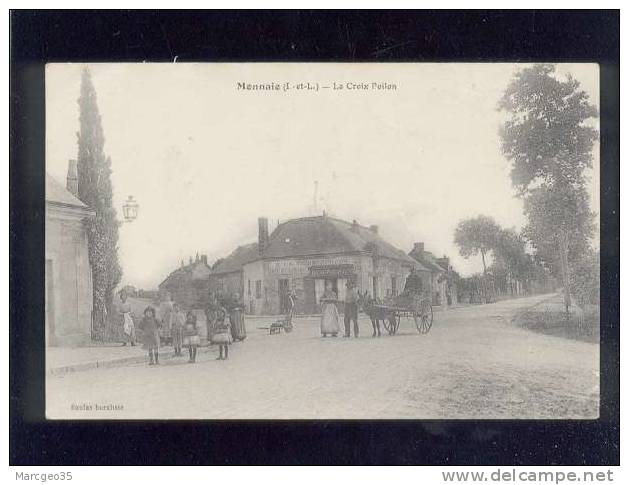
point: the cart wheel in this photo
(423, 318)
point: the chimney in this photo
(263, 234)
(373, 228)
(72, 181)
(204, 259)
(418, 247)
(196, 258)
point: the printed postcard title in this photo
(312, 86)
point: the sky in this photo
(205, 159)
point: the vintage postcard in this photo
(322, 241)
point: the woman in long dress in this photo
(178, 321)
(166, 318)
(210, 316)
(237, 319)
(329, 312)
(127, 321)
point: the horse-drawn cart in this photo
(391, 311)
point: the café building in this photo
(301, 255)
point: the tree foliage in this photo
(546, 136)
(95, 190)
(585, 279)
(548, 140)
(555, 211)
(511, 257)
(476, 235)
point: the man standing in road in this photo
(351, 309)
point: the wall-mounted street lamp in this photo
(130, 209)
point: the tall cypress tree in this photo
(95, 190)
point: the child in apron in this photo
(150, 334)
(222, 334)
(191, 336)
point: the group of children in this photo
(184, 333)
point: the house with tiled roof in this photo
(442, 287)
(189, 284)
(227, 273)
(68, 274)
(302, 254)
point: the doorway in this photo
(320, 286)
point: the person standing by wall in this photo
(351, 309)
(292, 301)
(127, 320)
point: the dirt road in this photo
(474, 363)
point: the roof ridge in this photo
(351, 223)
(326, 216)
(70, 199)
(348, 243)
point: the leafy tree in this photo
(510, 256)
(476, 235)
(546, 136)
(95, 189)
(585, 279)
(558, 216)
(549, 143)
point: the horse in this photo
(367, 304)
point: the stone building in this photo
(68, 275)
(227, 274)
(189, 284)
(442, 287)
(302, 254)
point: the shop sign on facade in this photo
(333, 271)
(297, 267)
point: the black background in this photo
(38, 37)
